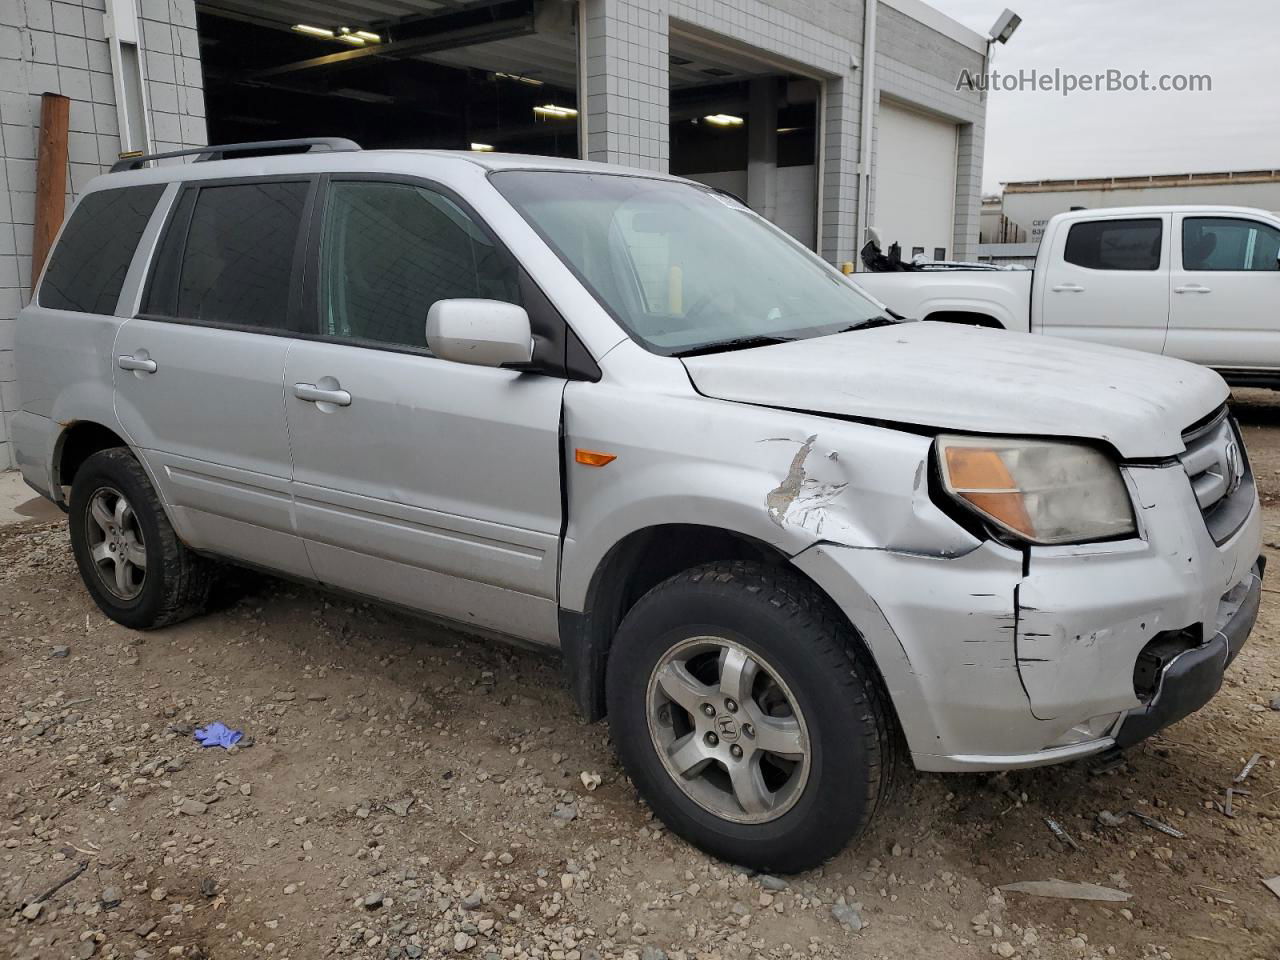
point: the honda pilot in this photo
(778, 536)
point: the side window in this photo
(237, 263)
(1115, 244)
(89, 265)
(390, 250)
(1225, 243)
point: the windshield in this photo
(682, 268)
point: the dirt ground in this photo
(410, 791)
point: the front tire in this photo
(133, 564)
(748, 717)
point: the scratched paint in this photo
(802, 500)
(780, 498)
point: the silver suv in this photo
(776, 533)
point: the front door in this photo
(1107, 281)
(199, 376)
(417, 480)
(1225, 293)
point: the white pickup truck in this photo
(1199, 283)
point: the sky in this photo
(1038, 135)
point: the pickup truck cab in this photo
(774, 535)
(1200, 283)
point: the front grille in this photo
(1218, 468)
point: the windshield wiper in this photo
(740, 343)
(880, 321)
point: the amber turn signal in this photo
(981, 476)
(594, 458)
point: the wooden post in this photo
(51, 177)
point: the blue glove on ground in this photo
(217, 735)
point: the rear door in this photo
(1107, 281)
(1225, 292)
(64, 336)
(425, 482)
(200, 372)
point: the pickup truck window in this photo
(88, 267)
(1229, 244)
(391, 250)
(1115, 244)
(680, 267)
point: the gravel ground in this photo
(408, 791)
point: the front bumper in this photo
(1191, 679)
(992, 665)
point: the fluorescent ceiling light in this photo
(364, 96)
(531, 81)
(357, 38)
(551, 110)
(482, 147)
(724, 120)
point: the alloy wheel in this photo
(728, 729)
(116, 543)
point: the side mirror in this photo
(488, 333)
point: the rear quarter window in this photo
(1115, 244)
(89, 264)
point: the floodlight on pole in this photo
(1005, 27)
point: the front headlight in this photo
(1040, 491)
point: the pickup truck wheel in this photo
(136, 569)
(742, 708)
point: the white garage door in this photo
(915, 182)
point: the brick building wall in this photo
(626, 94)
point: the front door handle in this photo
(318, 394)
(140, 364)
(1068, 288)
(1192, 288)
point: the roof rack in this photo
(220, 151)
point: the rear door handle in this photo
(1192, 288)
(141, 364)
(314, 394)
(1068, 288)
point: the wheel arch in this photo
(633, 566)
(78, 441)
(81, 439)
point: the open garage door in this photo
(915, 181)
(742, 124)
(450, 74)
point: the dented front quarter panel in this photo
(942, 632)
(848, 502)
(1085, 612)
(788, 479)
(994, 657)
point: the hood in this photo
(977, 380)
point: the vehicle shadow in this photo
(1256, 408)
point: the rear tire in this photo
(780, 769)
(136, 569)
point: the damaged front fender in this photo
(855, 493)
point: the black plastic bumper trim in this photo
(1192, 678)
